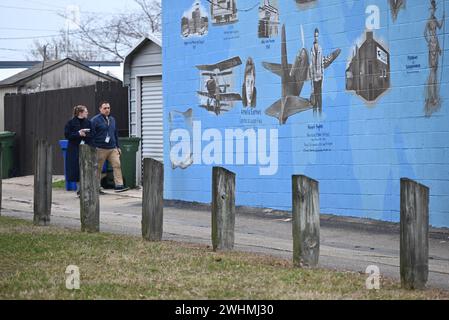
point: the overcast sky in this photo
(23, 21)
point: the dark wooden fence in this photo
(43, 116)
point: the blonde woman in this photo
(77, 131)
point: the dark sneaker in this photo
(120, 189)
(101, 191)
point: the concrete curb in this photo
(327, 220)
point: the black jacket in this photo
(71, 133)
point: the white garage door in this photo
(152, 118)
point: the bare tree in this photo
(60, 47)
(153, 12)
(117, 34)
(108, 37)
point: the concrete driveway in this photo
(346, 244)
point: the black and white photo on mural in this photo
(294, 76)
(268, 19)
(217, 80)
(195, 22)
(249, 91)
(316, 72)
(368, 70)
(223, 11)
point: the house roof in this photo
(45, 67)
(28, 64)
(140, 43)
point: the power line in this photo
(27, 8)
(78, 32)
(27, 29)
(46, 4)
(70, 50)
(51, 10)
(55, 35)
(31, 37)
(7, 49)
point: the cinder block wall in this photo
(384, 101)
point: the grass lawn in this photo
(33, 261)
(59, 184)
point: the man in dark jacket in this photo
(105, 139)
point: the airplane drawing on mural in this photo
(293, 79)
(216, 84)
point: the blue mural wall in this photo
(364, 107)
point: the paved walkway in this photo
(346, 244)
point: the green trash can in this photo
(129, 147)
(7, 145)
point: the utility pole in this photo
(72, 22)
(67, 42)
(44, 58)
(45, 52)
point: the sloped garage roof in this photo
(36, 70)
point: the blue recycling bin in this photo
(69, 186)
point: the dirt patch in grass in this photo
(34, 260)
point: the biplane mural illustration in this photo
(216, 85)
(293, 77)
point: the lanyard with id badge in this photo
(108, 138)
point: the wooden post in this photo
(306, 221)
(153, 201)
(414, 260)
(42, 182)
(89, 190)
(223, 209)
